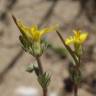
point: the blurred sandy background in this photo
(69, 14)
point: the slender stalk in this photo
(39, 64)
(41, 72)
(75, 90)
(74, 58)
(76, 85)
(45, 92)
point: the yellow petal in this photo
(47, 30)
(34, 28)
(22, 26)
(33, 31)
(36, 36)
(69, 41)
(44, 31)
(83, 37)
(24, 29)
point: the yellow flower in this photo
(78, 38)
(33, 33)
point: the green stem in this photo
(76, 85)
(41, 72)
(75, 90)
(39, 64)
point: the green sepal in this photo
(78, 49)
(44, 80)
(37, 49)
(26, 45)
(75, 74)
(44, 44)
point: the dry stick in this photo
(71, 53)
(41, 70)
